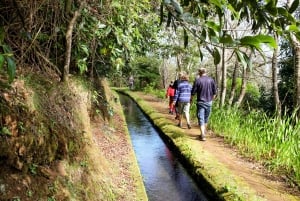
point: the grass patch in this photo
(273, 141)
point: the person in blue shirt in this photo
(206, 90)
(183, 98)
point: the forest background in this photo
(251, 48)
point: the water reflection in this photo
(164, 177)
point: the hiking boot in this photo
(179, 125)
(202, 138)
(189, 126)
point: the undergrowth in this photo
(273, 141)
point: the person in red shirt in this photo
(170, 94)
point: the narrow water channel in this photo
(165, 179)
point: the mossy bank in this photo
(55, 139)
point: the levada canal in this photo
(165, 179)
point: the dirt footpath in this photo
(268, 186)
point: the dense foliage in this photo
(286, 84)
(104, 35)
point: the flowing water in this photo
(165, 179)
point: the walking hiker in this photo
(206, 90)
(183, 97)
(170, 94)
(175, 86)
(131, 80)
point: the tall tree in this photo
(233, 83)
(69, 39)
(245, 77)
(296, 44)
(275, 79)
(224, 78)
(286, 84)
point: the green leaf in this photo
(293, 28)
(269, 40)
(282, 11)
(226, 39)
(211, 32)
(5, 131)
(11, 68)
(271, 8)
(241, 58)
(116, 4)
(213, 25)
(250, 41)
(235, 14)
(217, 56)
(1, 61)
(6, 49)
(203, 34)
(214, 39)
(82, 65)
(84, 48)
(294, 6)
(217, 3)
(108, 30)
(256, 41)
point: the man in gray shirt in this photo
(206, 90)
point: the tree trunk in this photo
(243, 87)
(217, 72)
(297, 78)
(218, 78)
(69, 45)
(296, 45)
(234, 83)
(224, 79)
(275, 79)
(163, 70)
(178, 60)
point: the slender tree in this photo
(275, 79)
(296, 45)
(245, 77)
(69, 39)
(233, 83)
(224, 79)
